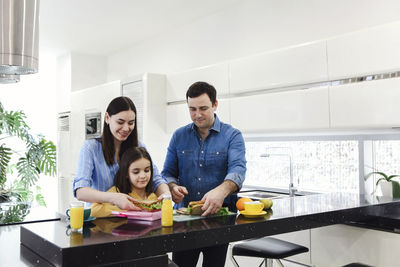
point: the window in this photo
(387, 156)
(322, 166)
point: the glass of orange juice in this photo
(75, 214)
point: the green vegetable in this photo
(223, 211)
(155, 206)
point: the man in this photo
(205, 161)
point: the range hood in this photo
(19, 32)
(9, 78)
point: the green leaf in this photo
(380, 179)
(5, 156)
(27, 170)
(379, 173)
(38, 157)
(40, 200)
(392, 176)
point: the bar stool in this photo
(356, 264)
(268, 248)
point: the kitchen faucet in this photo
(292, 188)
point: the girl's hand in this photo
(123, 201)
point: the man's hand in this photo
(123, 202)
(178, 192)
(213, 201)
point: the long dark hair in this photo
(121, 178)
(117, 105)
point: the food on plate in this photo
(267, 203)
(241, 201)
(194, 208)
(182, 211)
(148, 205)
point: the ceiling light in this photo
(19, 31)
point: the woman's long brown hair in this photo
(117, 105)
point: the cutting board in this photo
(183, 218)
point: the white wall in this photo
(87, 71)
(248, 28)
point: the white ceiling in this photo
(103, 26)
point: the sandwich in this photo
(194, 207)
(148, 205)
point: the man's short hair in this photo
(199, 88)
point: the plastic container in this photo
(166, 212)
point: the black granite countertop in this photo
(117, 239)
(20, 213)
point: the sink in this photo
(259, 194)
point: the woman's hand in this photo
(123, 201)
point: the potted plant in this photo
(388, 186)
(20, 168)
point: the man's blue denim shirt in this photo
(201, 166)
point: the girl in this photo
(134, 177)
(98, 159)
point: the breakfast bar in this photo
(118, 240)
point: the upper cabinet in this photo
(291, 110)
(372, 104)
(178, 83)
(374, 50)
(290, 66)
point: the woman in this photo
(99, 158)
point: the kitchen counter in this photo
(121, 240)
(19, 213)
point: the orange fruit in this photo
(241, 201)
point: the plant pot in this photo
(390, 189)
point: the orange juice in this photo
(76, 219)
(76, 239)
(166, 212)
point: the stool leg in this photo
(231, 257)
(268, 262)
(279, 263)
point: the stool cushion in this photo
(267, 247)
(356, 264)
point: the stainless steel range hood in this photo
(19, 34)
(9, 78)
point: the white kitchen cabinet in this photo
(289, 66)
(338, 245)
(178, 114)
(374, 50)
(148, 93)
(178, 83)
(371, 104)
(290, 110)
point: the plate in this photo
(253, 215)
